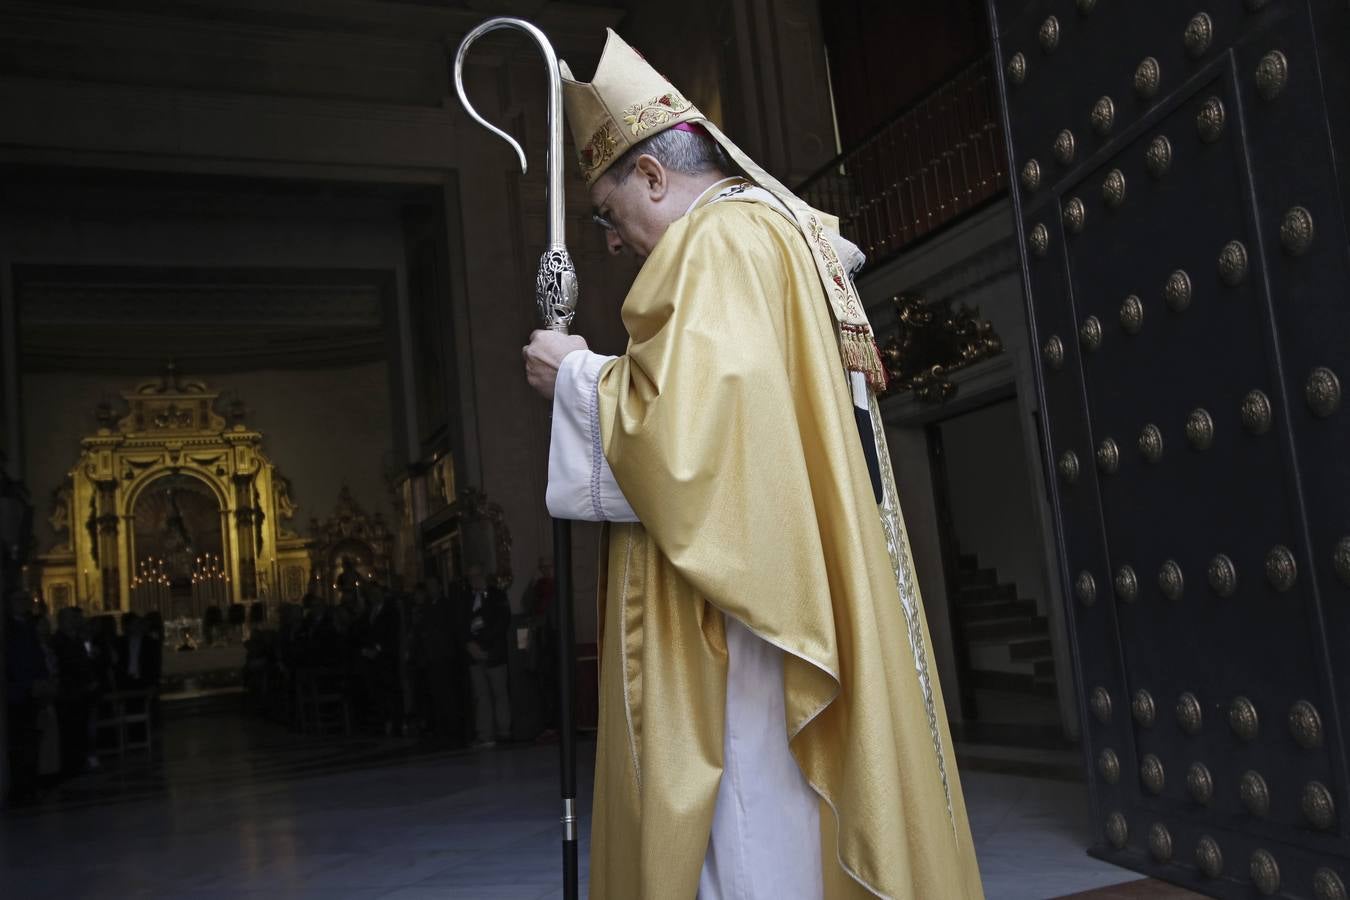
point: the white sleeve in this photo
(580, 483)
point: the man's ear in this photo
(653, 175)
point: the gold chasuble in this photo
(729, 425)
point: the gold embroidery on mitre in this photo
(655, 112)
(598, 149)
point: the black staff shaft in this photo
(567, 667)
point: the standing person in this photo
(770, 721)
(486, 617)
(540, 604)
(438, 655)
(77, 691)
(27, 691)
(381, 640)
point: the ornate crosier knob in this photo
(556, 290)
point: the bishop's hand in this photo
(544, 354)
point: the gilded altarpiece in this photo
(176, 488)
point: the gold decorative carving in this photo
(1143, 710)
(1017, 68)
(1117, 830)
(1318, 806)
(1281, 568)
(1340, 559)
(1222, 576)
(1209, 121)
(1151, 443)
(1233, 263)
(1049, 34)
(1075, 214)
(1090, 334)
(1132, 314)
(1242, 718)
(1305, 724)
(1159, 842)
(1031, 175)
(1108, 457)
(1053, 350)
(1085, 588)
(1171, 582)
(1199, 34)
(1103, 116)
(1296, 231)
(1108, 764)
(1256, 412)
(1272, 74)
(1323, 392)
(1177, 291)
(1327, 885)
(1068, 466)
(1190, 717)
(1101, 704)
(1200, 429)
(1200, 784)
(1158, 156)
(1039, 240)
(1265, 873)
(1127, 584)
(930, 342)
(1113, 188)
(1208, 857)
(1147, 78)
(1151, 773)
(1254, 793)
(1064, 147)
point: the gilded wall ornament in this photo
(1075, 215)
(1068, 466)
(1113, 188)
(1171, 582)
(1208, 857)
(1151, 773)
(932, 340)
(1254, 793)
(1053, 351)
(1127, 584)
(1160, 842)
(1085, 588)
(1108, 457)
(1242, 718)
(1064, 147)
(1222, 575)
(1318, 806)
(1200, 784)
(1265, 873)
(1296, 231)
(1017, 68)
(1103, 116)
(1117, 830)
(1256, 412)
(1233, 263)
(1108, 764)
(1038, 239)
(1177, 291)
(1132, 314)
(1190, 717)
(1327, 885)
(1272, 74)
(1143, 710)
(1209, 121)
(1049, 34)
(1031, 176)
(1281, 568)
(1151, 443)
(1100, 701)
(1200, 429)
(1323, 392)
(1199, 34)
(1147, 78)
(1090, 334)
(1340, 559)
(1305, 724)
(1158, 156)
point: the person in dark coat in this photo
(27, 689)
(77, 692)
(485, 619)
(139, 656)
(381, 634)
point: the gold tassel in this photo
(860, 354)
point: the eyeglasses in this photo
(600, 220)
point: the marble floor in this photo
(232, 808)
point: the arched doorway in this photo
(177, 544)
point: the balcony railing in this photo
(938, 159)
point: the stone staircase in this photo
(1007, 642)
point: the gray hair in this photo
(681, 151)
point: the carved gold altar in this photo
(173, 508)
